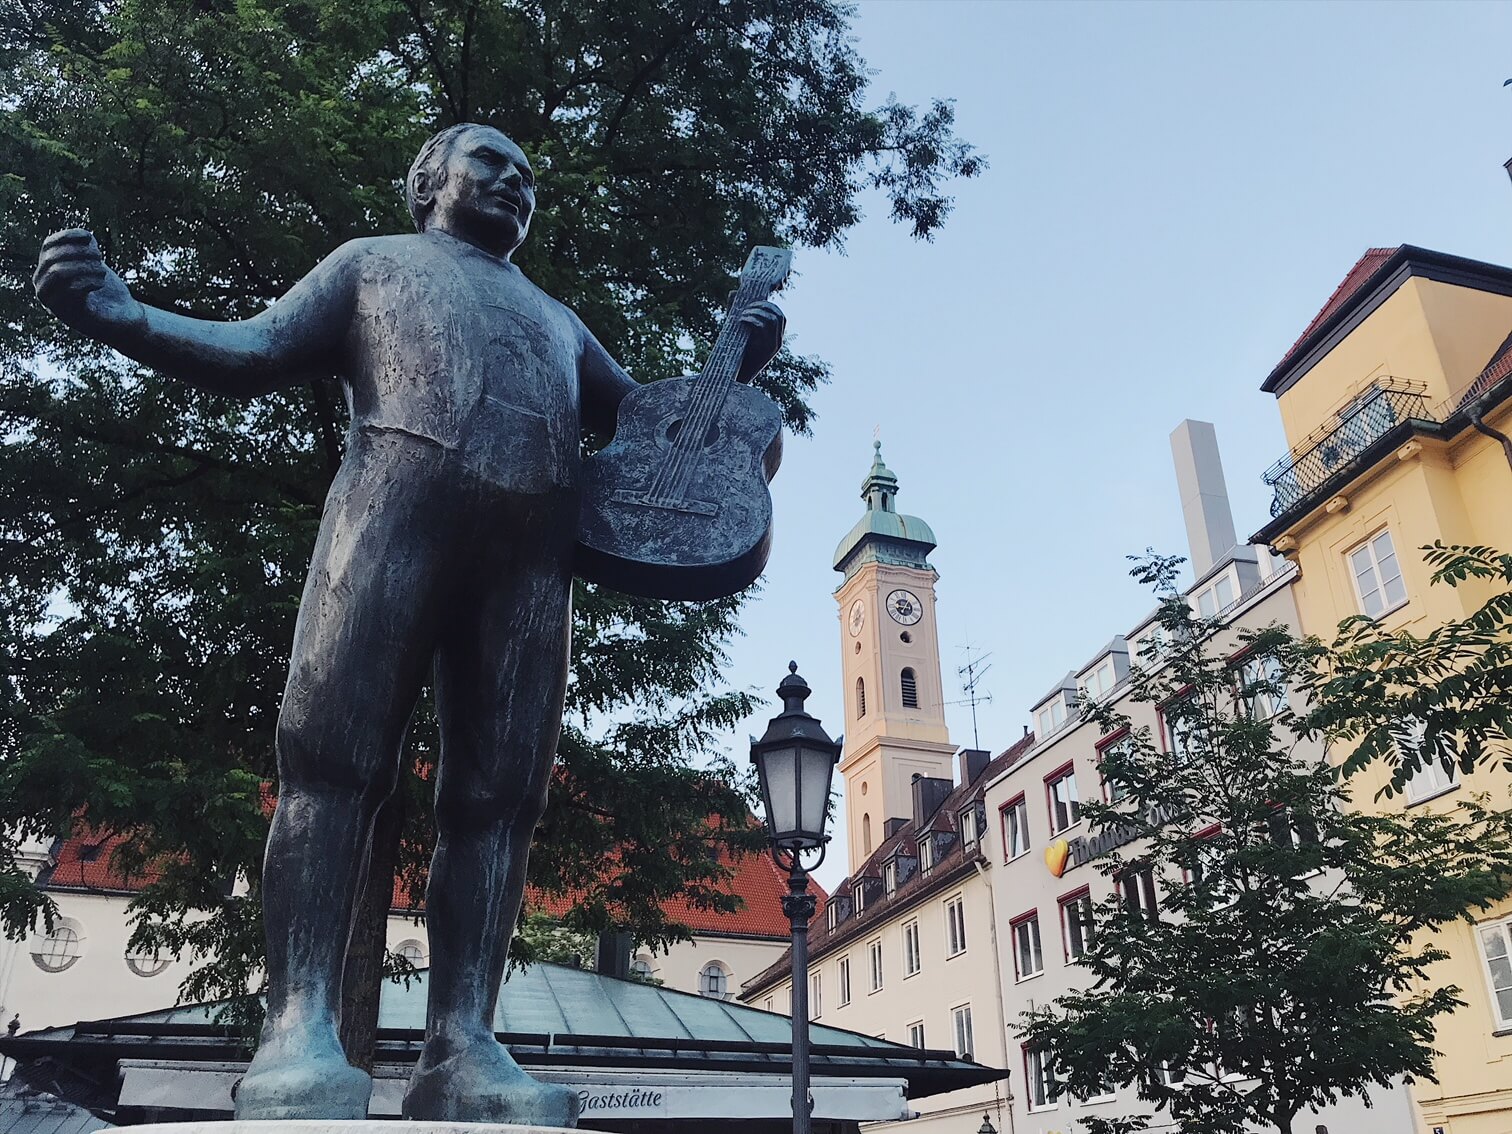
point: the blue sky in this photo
(1175, 189)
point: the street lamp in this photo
(795, 760)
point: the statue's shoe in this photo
(480, 1082)
(284, 1082)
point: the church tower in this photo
(890, 657)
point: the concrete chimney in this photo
(1204, 497)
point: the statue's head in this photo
(474, 183)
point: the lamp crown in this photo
(793, 690)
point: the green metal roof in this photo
(551, 1014)
(894, 537)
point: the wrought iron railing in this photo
(1375, 413)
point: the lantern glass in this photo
(815, 767)
(779, 788)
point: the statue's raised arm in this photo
(294, 340)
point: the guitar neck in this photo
(729, 348)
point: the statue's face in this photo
(488, 195)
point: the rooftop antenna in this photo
(971, 674)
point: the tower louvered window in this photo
(910, 690)
(860, 697)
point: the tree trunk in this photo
(363, 979)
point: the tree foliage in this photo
(1283, 969)
(153, 538)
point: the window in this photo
(1119, 745)
(955, 922)
(858, 894)
(1377, 577)
(874, 956)
(1015, 818)
(1100, 680)
(1039, 1079)
(1184, 732)
(816, 996)
(1216, 598)
(911, 959)
(59, 949)
(860, 697)
(1051, 717)
(1065, 804)
(145, 962)
(413, 951)
(1136, 888)
(866, 843)
(1262, 687)
(714, 981)
(1496, 948)
(916, 1034)
(1028, 957)
(1438, 773)
(968, 824)
(832, 915)
(926, 852)
(910, 689)
(889, 876)
(1077, 926)
(961, 1019)
(844, 981)
(766, 1005)
(641, 969)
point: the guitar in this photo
(676, 506)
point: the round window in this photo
(145, 964)
(59, 949)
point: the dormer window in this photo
(832, 914)
(1100, 680)
(858, 897)
(968, 822)
(889, 876)
(926, 853)
(1213, 599)
(1051, 717)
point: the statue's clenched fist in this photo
(73, 283)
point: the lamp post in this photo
(795, 760)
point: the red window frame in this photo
(1013, 924)
(1003, 823)
(1206, 833)
(1069, 767)
(1061, 903)
(1160, 711)
(1107, 742)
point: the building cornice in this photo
(1406, 262)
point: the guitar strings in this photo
(671, 482)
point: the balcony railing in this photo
(1337, 448)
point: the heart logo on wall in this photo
(1056, 856)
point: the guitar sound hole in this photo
(709, 438)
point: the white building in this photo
(83, 970)
(1040, 877)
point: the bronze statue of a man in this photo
(446, 543)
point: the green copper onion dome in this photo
(883, 535)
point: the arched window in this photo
(412, 951)
(910, 690)
(714, 981)
(866, 833)
(641, 969)
(860, 697)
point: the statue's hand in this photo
(73, 283)
(766, 322)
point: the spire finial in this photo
(880, 485)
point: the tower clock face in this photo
(857, 618)
(905, 607)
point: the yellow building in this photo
(1392, 400)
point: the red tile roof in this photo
(1365, 268)
(86, 861)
